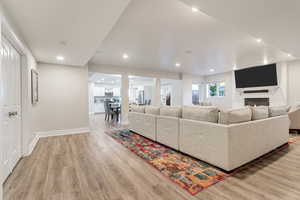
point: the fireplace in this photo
(257, 101)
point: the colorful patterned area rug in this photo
(190, 174)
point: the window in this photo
(216, 89)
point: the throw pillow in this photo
(235, 116)
(278, 110)
(260, 112)
(171, 111)
(207, 113)
(153, 110)
(139, 109)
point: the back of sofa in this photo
(143, 124)
(231, 146)
(250, 140)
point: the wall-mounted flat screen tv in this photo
(260, 76)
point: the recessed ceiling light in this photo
(289, 55)
(212, 70)
(177, 64)
(125, 56)
(258, 40)
(234, 67)
(194, 9)
(265, 61)
(60, 58)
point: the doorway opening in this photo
(105, 95)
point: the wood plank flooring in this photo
(94, 167)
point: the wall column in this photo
(157, 86)
(91, 98)
(125, 99)
(187, 83)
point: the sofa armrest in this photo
(294, 116)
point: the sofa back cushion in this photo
(235, 116)
(295, 107)
(139, 109)
(278, 110)
(260, 112)
(205, 103)
(153, 110)
(171, 111)
(200, 113)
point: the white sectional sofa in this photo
(197, 132)
(144, 124)
(294, 115)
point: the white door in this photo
(11, 107)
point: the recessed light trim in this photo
(258, 40)
(195, 9)
(125, 56)
(289, 55)
(266, 61)
(177, 64)
(60, 58)
(212, 70)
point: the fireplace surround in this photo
(257, 101)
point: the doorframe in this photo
(7, 31)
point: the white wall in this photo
(187, 81)
(226, 101)
(235, 98)
(63, 98)
(293, 82)
(28, 63)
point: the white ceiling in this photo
(156, 34)
(73, 29)
(275, 21)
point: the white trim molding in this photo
(44, 134)
(32, 145)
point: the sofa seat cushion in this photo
(275, 111)
(153, 110)
(139, 109)
(235, 116)
(260, 112)
(171, 111)
(201, 113)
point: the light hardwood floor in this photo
(94, 167)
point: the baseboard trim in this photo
(32, 145)
(45, 134)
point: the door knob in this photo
(11, 114)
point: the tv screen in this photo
(256, 76)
